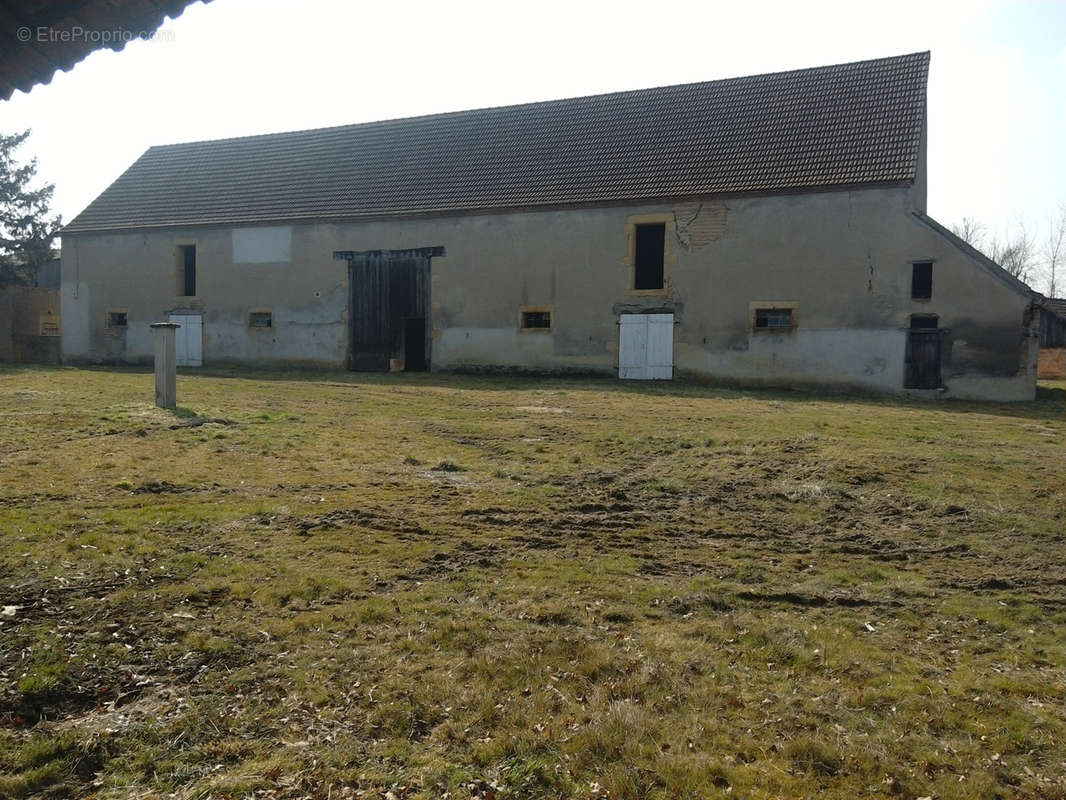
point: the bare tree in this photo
(970, 231)
(1054, 250)
(1014, 251)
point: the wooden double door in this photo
(388, 311)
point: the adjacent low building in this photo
(29, 318)
(760, 230)
(1051, 313)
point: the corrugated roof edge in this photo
(25, 85)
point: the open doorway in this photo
(414, 344)
(389, 308)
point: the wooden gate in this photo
(388, 309)
(923, 359)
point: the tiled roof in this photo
(41, 37)
(844, 125)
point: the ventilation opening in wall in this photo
(49, 325)
(260, 319)
(185, 256)
(774, 319)
(535, 319)
(648, 256)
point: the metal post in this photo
(166, 381)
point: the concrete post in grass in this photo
(166, 379)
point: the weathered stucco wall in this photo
(844, 259)
(137, 274)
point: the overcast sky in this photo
(997, 87)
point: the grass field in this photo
(347, 586)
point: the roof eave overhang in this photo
(311, 219)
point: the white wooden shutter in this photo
(179, 339)
(660, 364)
(633, 347)
(188, 340)
(646, 346)
(194, 342)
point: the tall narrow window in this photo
(648, 256)
(922, 280)
(186, 258)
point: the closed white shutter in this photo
(633, 347)
(646, 346)
(188, 340)
(179, 339)
(660, 346)
(194, 341)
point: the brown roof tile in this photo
(850, 124)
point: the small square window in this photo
(922, 280)
(116, 319)
(536, 319)
(261, 319)
(49, 325)
(773, 319)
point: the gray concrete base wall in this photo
(843, 259)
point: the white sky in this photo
(997, 88)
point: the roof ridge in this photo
(815, 128)
(556, 101)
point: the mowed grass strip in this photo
(349, 586)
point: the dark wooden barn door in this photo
(923, 355)
(389, 303)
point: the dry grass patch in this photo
(429, 586)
